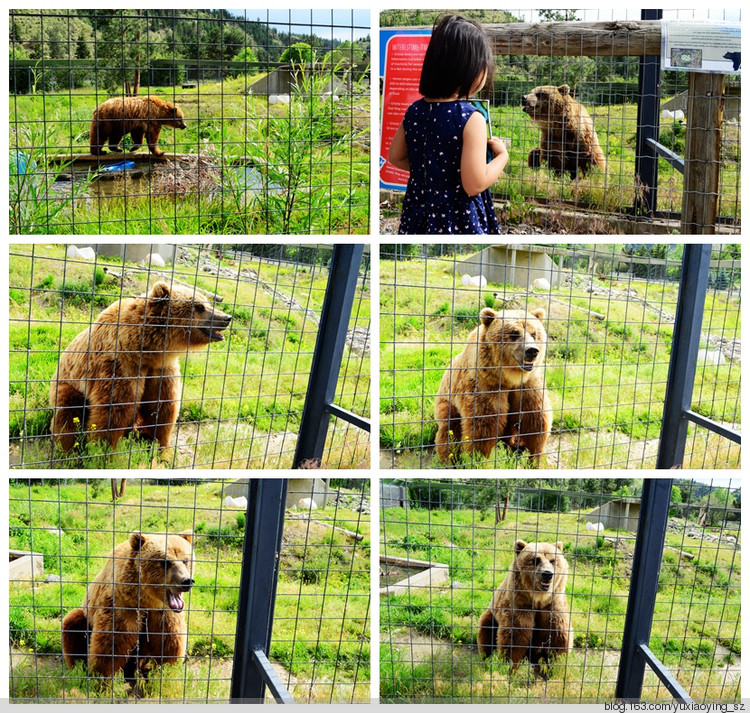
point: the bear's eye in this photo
(537, 561)
(185, 562)
(552, 561)
(514, 335)
(200, 308)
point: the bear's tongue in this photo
(175, 601)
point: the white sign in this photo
(701, 46)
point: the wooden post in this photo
(700, 191)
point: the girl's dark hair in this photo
(458, 53)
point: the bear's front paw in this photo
(116, 149)
(535, 158)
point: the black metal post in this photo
(251, 672)
(646, 158)
(329, 350)
(683, 360)
(644, 583)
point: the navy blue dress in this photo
(435, 202)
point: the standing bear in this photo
(529, 615)
(122, 374)
(569, 140)
(494, 389)
(132, 616)
(137, 116)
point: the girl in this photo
(442, 140)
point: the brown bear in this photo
(494, 389)
(122, 374)
(569, 140)
(132, 616)
(137, 116)
(529, 615)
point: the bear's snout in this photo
(532, 353)
(547, 576)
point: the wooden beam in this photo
(700, 190)
(619, 38)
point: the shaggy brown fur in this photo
(122, 373)
(494, 389)
(133, 614)
(529, 615)
(137, 116)
(569, 140)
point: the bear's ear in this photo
(559, 545)
(187, 535)
(487, 316)
(159, 291)
(520, 545)
(564, 89)
(137, 540)
(539, 313)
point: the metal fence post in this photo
(684, 356)
(251, 672)
(644, 583)
(329, 350)
(646, 158)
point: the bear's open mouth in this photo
(528, 366)
(214, 335)
(545, 586)
(175, 600)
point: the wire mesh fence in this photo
(606, 61)
(62, 534)
(588, 330)
(266, 115)
(102, 378)
(450, 544)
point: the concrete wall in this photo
(393, 496)
(619, 514)
(133, 252)
(297, 489)
(284, 79)
(515, 264)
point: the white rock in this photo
(713, 357)
(598, 527)
(307, 504)
(72, 252)
(86, 253)
(240, 502)
(156, 260)
(476, 281)
(541, 283)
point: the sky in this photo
(339, 24)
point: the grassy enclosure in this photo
(242, 398)
(320, 642)
(610, 327)
(247, 163)
(428, 634)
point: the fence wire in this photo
(63, 531)
(241, 397)
(612, 195)
(450, 543)
(608, 315)
(271, 134)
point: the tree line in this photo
(119, 44)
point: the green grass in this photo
(606, 378)
(326, 620)
(237, 394)
(697, 608)
(316, 158)
(602, 193)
